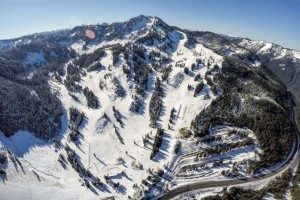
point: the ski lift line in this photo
(89, 154)
(178, 114)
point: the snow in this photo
(257, 46)
(277, 52)
(99, 148)
(138, 30)
(266, 47)
(81, 48)
(226, 36)
(78, 46)
(35, 192)
(199, 194)
(210, 172)
(255, 185)
(34, 58)
(228, 52)
(21, 143)
(296, 54)
(182, 55)
(143, 24)
(256, 63)
(5, 44)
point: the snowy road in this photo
(291, 162)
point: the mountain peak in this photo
(143, 20)
(142, 17)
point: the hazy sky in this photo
(275, 21)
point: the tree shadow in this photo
(23, 141)
(3, 177)
(64, 124)
(102, 162)
(93, 190)
(159, 120)
(150, 84)
(142, 109)
(148, 94)
(75, 98)
(104, 188)
(205, 90)
(20, 164)
(13, 160)
(37, 176)
(130, 156)
(122, 189)
(119, 117)
(191, 74)
(197, 68)
(78, 144)
(84, 122)
(163, 150)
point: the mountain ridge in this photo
(131, 20)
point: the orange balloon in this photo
(90, 34)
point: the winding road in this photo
(293, 160)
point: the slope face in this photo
(26, 101)
(283, 62)
(144, 107)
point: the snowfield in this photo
(99, 148)
(115, 143)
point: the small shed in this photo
(185, 132)
(155, 169)
(137, 164)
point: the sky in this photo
(276, 21)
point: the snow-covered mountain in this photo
(283, 62)
(135, 108)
